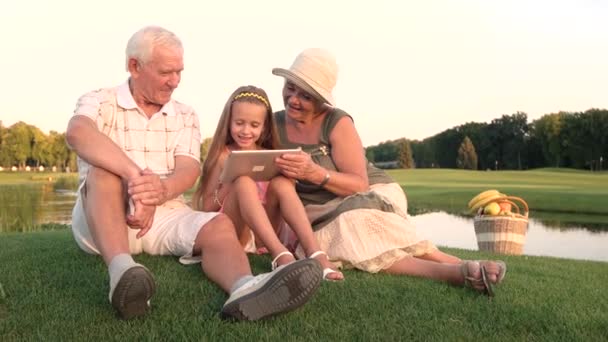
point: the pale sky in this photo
(407, 68)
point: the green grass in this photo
(13, 178)
(564, 191)
(50, 290)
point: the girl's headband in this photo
(254, 95)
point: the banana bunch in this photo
(484, 198)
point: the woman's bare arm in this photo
(347, 154)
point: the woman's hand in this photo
(299, 166)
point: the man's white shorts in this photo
(173, 232)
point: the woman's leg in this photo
(439, 256)
(245, 209)
(448, 272)
(282, 195)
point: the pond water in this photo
(572, 242)
(26, 207)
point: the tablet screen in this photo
(257, 164)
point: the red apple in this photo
(505, 206)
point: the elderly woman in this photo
(358, 212)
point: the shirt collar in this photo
(125, 99)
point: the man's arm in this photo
(151, 190)
(97, 149)
(187, 170)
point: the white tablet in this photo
(257, 164)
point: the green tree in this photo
(72, 163)
(548, 131)
(58, 150)
(18, 143)
(479, 135)
(5, 159)
(370, 154)
(508, 135)
(467, 157)
(383, 152)
(585, 139)
(406, 159)
(205, 145)
(424, 156)
(39, 146)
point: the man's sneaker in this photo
(132, 293)
(284, 289)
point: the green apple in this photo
(491, 209)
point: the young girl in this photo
(256, 208)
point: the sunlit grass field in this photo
(562, 191)
(50, 290)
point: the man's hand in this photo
(148, 188)
(142, 217)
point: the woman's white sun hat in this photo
(315, 71)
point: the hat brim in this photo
(298, 81)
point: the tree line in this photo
(23, 145)
(565, 139)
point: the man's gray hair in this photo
(142, 43)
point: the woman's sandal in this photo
(326, 271)
(475, 283)
(273, 264)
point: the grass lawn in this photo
(580, 195)
(21, 177)
(50, 290)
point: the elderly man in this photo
(138, 152)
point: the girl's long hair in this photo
(268, 138)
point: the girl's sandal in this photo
(326, 271)
(274, 265)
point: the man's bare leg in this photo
(251, 298)
(104, 206)
(131, 284)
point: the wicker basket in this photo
(505, 234)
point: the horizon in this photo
(365, 146)
(407, 70)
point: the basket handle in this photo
(513, 204)
(513, 199)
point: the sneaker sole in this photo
(290, 288)
(132, 293)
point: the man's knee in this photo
(219, 227)
(215, 233)
(99, 178)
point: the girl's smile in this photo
(247, 124)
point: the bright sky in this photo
(407, 68)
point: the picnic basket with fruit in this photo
(500, 224)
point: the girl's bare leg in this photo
(282, 191)
(245, 209)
